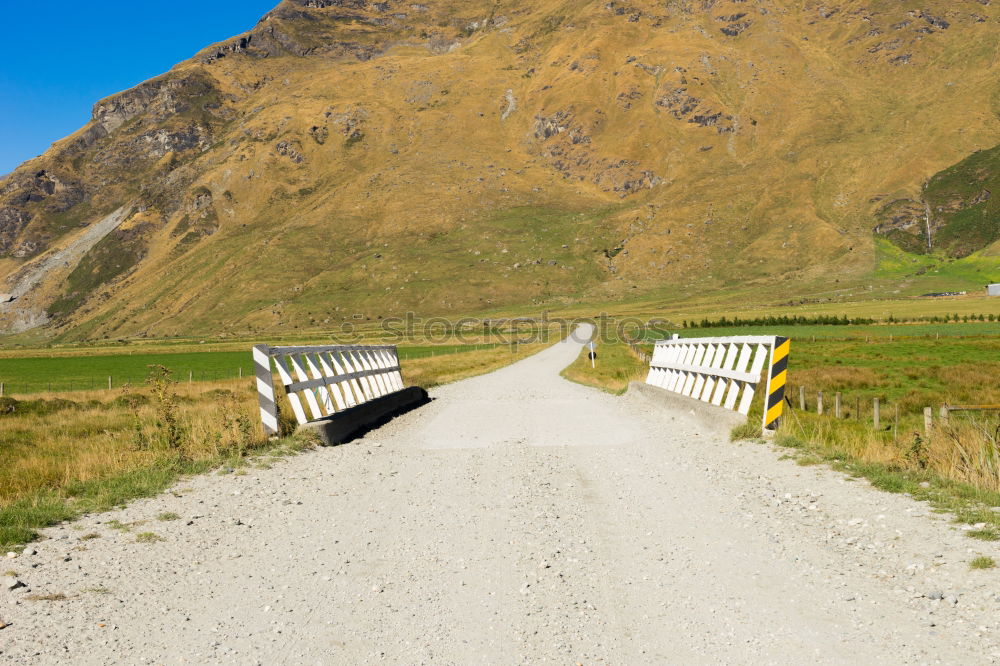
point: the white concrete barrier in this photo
(325, 379)
(723, 371)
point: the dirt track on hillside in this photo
(518, 518)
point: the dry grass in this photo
(954, 467)
(68, 453)
(148, 537)
(433, 371)
(967, 450)
(58, 596)
(837, 378)
(964, 450)
(73, 453)
(101, 435)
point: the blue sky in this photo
(59, 57)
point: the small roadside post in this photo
(592, 354)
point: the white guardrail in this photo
(724, 371)
(327, 379)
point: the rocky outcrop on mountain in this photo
(116, 154)
(12, 221)
(157, 100)
(683, 106)
(44, 186)
(29, 194)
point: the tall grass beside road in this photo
(431, 371)
(615, 366)
(955, 467)
(65, 454)
(82, 452)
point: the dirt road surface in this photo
(517, 519)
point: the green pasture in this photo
(35, 372)
(906, 366)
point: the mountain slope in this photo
(348, 156)
(957, 213)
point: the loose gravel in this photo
(517, 519)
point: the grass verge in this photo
(615, 366)
(437, 370)
(20, 518)
(70, 454)
(969, 503)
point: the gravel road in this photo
(517, 519)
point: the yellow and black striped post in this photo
(776, 382)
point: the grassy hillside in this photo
(957, 216)
(963, 198)
(452, 157)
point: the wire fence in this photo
(881, 414)
(112, 382)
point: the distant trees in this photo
(782, 320)
(834, 320)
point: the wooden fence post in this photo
(944, 413)
(802, 398)
(109, 382)
(928, 420)
(836, 405)
(819, 403)
(876, 414)
(1, 389)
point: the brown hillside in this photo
(351, 156)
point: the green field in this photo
(910, 365)
(38, 373)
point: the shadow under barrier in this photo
(355, 422)
(711, 418)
